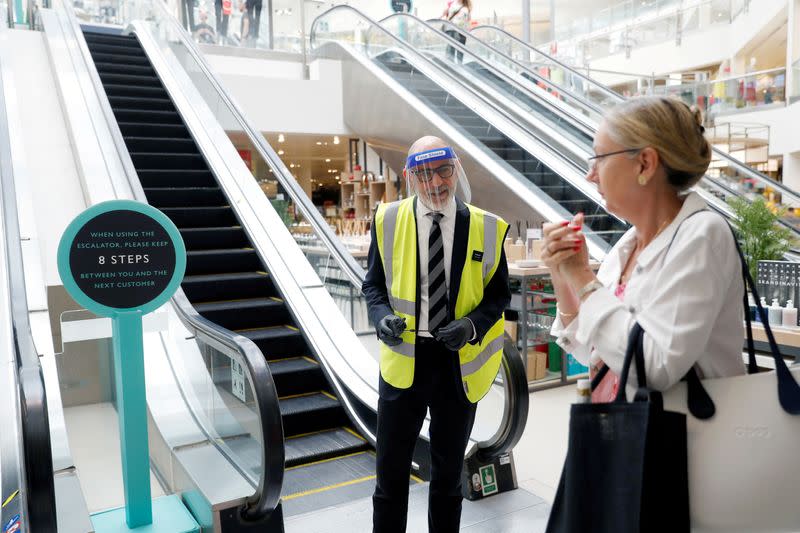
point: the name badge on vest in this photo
(477, 256)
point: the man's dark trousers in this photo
(437, 385)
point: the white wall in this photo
(697, 49)
(275, 96)
(46, 152)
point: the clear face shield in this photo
(436, 177)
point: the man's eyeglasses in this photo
(426, 174)
(593, 160)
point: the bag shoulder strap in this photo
(451, 17)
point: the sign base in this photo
(169, 516)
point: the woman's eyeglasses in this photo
(593, 160)
(426, 174)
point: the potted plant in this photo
(761, 236)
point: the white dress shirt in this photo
(447, 224)
(688, 301)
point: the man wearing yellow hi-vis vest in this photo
(436, 288)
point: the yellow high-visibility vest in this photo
(396, 231)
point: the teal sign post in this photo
(124, 259)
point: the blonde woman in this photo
(458, 12)
(681, 281)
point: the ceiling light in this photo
(335, 139)
(281, 138)
(319, 143)
(291, 165)
(327, 159)
(280, 152)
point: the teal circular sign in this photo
(121, 256)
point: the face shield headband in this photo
(429, 156)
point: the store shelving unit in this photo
(536, 310)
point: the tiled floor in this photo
(93, 432)
(94, 441)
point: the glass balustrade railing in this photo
(629, 25)
(727, 175)
(489, 68)
(217, 389)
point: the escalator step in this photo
(175, 145)
(222, 261)
(133, 90)
(107, 38)
(143, 103)
(297, 375)
(307, 488)
(131, 129)
(147, 116)
(246, 313)
(151, 160)
(322, 445)
(201, 217)
(167, 177)
(310, 412)
(118, 49)
(183, 197)
(228, 286)
(122, 79)
(114, 58)
(122, 68)
(307, 403)
(214, 238)
(277, 342)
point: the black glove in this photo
(455, 334)
(389, 329)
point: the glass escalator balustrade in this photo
(727, 175)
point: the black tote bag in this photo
(626, 468)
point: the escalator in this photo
(227, 283)
(534, 163)
(504, 147)
(504, 62)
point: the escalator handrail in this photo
(432, 25)
(35, 425)
(516, 411)
(740, 167)
(267, 495)
(604, 89)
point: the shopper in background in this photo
(458, 12)
(203, 32)
(436, 288)
(254, 20)
(222, 10)
(681, 282)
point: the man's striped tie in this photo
(437, 287)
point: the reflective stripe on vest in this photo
(399, 264)
(480, 362)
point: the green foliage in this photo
(282, 208)
(760, 235)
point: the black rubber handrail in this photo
(516, 412)
(266, 498)
(37, 454)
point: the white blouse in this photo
(688, 301)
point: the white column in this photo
(526, 20)
(791, 170)
(792, 44)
